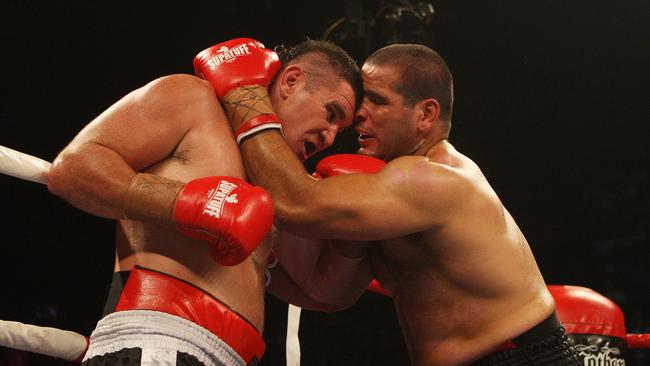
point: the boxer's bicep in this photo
(405, 197)
(340, 207)
(426, 193)
(94, 170)
(147, 124)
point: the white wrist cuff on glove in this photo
(257, 124)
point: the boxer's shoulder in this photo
(178, 99)
(421, 172)
(181, 91)
(178, 82)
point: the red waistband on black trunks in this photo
(148, 289)
(542, 330)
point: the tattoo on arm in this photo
(151, 197)
(247, 102)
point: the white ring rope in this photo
(23, 166)
(70, 345)
(47, 341)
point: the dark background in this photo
(551, 102)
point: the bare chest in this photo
(200, 155)
(395, 261)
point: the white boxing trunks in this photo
(162, 320)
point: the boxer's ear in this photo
(290, 79)
(428, 113)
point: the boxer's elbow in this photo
(79, 175)
(326, 305)
(334, 306)
(335, 297)
(60, 177)
(331, 301)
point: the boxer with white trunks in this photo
(164, 164)
(157, 313)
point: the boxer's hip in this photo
(156, 310)
(139, 337)
(546, 343)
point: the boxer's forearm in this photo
(341, 275)
(97, 180)
(151, 198)
(270, 163)
(92, 178)
(329, 271)
(286, 289)
(302, 205)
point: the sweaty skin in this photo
(174, 128)
(461, 273)
(469, 284)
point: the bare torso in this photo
(207, 150)
(465, 287)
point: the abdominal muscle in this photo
(453, 329)
(448, 311)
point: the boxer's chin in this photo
(368, 146)
(368, 152)
(363, 151)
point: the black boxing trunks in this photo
(163, 320)
(546, 344)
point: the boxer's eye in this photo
(331, 116)
(375, 98)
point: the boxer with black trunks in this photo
(466, 286)
(191, 232)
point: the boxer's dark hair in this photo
(326, 54)
(423, 74)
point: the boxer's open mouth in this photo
(363, 137)
(310, 148)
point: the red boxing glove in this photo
(595, 324)
(229, 213)
(347, 164)
(237, 63)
